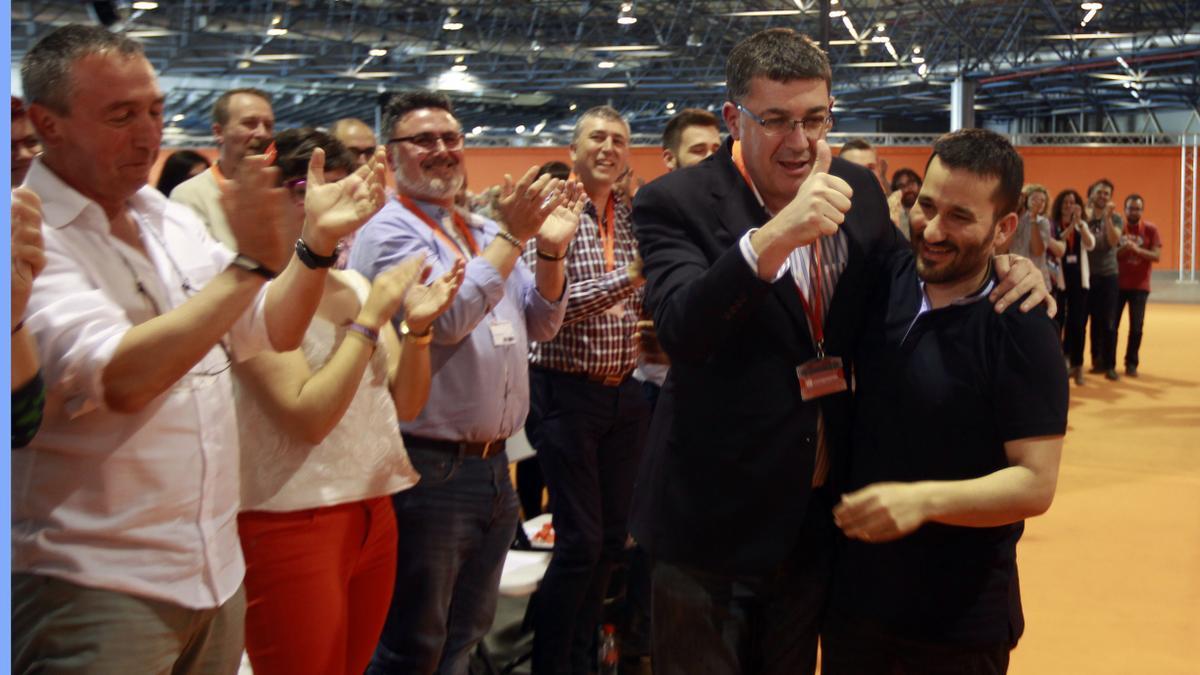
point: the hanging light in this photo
(452, 22)
(625, 17)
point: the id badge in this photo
(503, 334)
(1072, 259)
(821, 377)
(617, 310)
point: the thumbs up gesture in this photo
(817, 210)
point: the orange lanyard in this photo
(608, 233)
(814, 310)
(460, 224)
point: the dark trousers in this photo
(455, 527)
(1137, 317)
(854, 648)
(529, 487)
(716, 624)
(1076, 324)
(1102, 308)
(589, 439)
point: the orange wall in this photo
(1152, 172)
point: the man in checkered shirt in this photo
(588, 417)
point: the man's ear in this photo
(731, 115)
(218, 131)
(1005, 227)
(669, 160)
(46, 123)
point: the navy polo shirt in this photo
(937, 395)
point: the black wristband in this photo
(546, 256)
(313, 261)
(249, 264)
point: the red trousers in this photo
(318, 586)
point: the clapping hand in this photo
(254, 208)
(523, 206)
(334, 210)
(424, 303)
(28, 254)
(388, 291)
(560, 226)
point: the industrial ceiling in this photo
(522, 70)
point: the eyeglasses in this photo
(364, 153)
(813, 125)
(453, 140)
(297, 188)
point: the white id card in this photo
(1072, 259)
(503, 334)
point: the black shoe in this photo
(1111, 374)
(1095, 370)
(1131, 371)
(1077, 374)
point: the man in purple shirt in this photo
(457, 523)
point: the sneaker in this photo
(1077, 374)
(1131, 371)
(1111, 374)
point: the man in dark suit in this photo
(757, 317)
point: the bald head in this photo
(358, 138)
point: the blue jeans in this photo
(455, 528)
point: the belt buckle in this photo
(612, 380)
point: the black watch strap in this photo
(313, 261)
(249, 264)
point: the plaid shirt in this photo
(597, 335)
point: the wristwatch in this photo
(249, 264)
(313, 261)
(422, 339)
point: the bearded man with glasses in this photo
(761, 264)
(456, 524)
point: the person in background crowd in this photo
(587, 417)
(243, 124)
(691, 135)
(1032, 237)
(125, 554)
(457, 523)
(557, 169)
(1077, 240)
(180, 166)
(357, 137)
(1140, 248)
(320, 452)
(28, 259)
(25, 143)
(1106, 226)
(933, 506)
(906, 183)
(859, 151)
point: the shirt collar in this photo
(65, 205)
(978, 294)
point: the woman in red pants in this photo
(321, 449)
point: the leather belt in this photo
(463, 448)
(606, 380)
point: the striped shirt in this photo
(597, 335)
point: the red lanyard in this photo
(815, 310)
(608, 234)
(460, 224)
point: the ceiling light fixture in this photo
(572, 107)
(625, 17)
(459, 67)
(520, 129)
(145, 6)
(916, 49)
(178, 118)
(837, 13)
(606, 64)
(1091, 8)
(918, 59)
(243, 64)
(452, 22)
(670, 105)
(475, 131)
(277, 31)
(765, 12)
(600, 85)
(378, 51)
(622, 48)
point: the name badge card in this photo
(503, 334)
(821, 377)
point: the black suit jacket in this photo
(728, 465)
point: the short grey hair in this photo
(46, 68)
(778, 54)
(606, 112)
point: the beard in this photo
(428, 185)
(965, 261)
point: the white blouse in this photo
(362, 457)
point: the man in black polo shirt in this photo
(959, 422)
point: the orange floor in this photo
(1111, 574)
